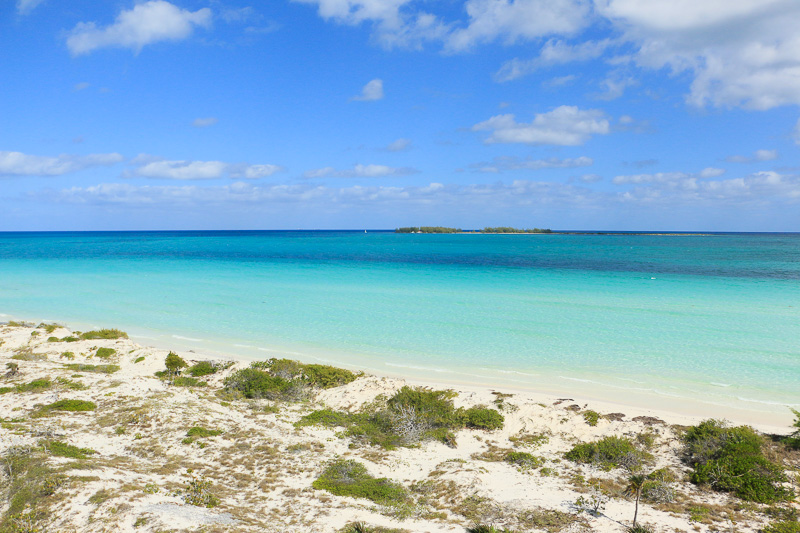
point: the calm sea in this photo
(690, 320)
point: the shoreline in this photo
(682, 410)
(148, 452)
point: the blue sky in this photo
(569, 114)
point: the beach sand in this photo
(261, 467)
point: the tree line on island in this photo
(442, 229)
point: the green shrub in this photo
(48, 328)
(320, 376)
(484, 418)
(346, 477)
(105, 353)
(69, 405)
(792, 526)
(62, 449)
(53, 339)
(254, 383)
(35, 385)
(327, 377)
(185, 381)
(101, 369)
(202, 432)
(608, 452)
(730, 459)
(198, 492)
(325, 417)
(5, 390)
(793, 440)
(203, 368)
(139, 359)
(524, 460)
(591, 417)
(104, 334)
(174, 363)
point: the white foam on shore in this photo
(182, 338)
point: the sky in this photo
(671, 115)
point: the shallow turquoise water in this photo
(711, 319)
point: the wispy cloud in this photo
(564, 126)
(26, 6)
(500, 164)
(360, 171)
(204, 122)
(157, 168)
(20, 164)
(146, 23)
(372, 91)
(400, 145)
(759, 155)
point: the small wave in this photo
(765, 402)
(444, 370)
(243, 346)
(510, 372)
(186, 338)
(720, 384)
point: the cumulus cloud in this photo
(204, 122)
(564, 126)
(81, 86)
(157, 168)
(399, 145)
(26, 6)
(360, 171)
(517, 20)
(373, 90)
(19, 164)
(145, 23)
(499, 164)
(743, 53)
(759, 155)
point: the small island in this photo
(441, 229)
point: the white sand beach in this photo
(138, 461)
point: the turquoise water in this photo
(706, 319)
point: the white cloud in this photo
(399, 145)
(518, 20)
(554, 52)
(204, 122)
(759, 155)
(360, 171)
(158, 168)
(19, 164)
(81, 86)
(742, 53)
(668, 177)
(499, 164)
(146, 23)
(564, 126)
(373, 90)
(26, 6)
(394, 25)
(796, 133)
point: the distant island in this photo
(441, 229)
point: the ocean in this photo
(701, 323)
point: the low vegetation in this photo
(731, 459)
(101, 369)
(346, 477)
(104, 334)
(411, 415)
(609, 452)
(105, 353)
(75, 406)
(284, 379)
